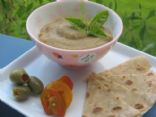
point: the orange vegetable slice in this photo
(57, 96)
(63, 89)
(53, 103)
(67, 80)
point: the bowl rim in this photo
(79, 50)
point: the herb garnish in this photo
(93, 27)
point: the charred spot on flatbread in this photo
(84, 116)
(108, 90)
(117, 98)
(138, 106)
(111, 116)
(97, 110)
(150, 74)
(140, 68)
(87, 95)
(129, 82)
(134, 89)
(106, 85)
(150, 83)
(117, 108)
(123, 77)
(99, 87)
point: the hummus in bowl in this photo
(56, 39)
(60, 33)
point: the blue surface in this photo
(10, 49)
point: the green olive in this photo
(21, 93)
(19, 76)
(35, 85)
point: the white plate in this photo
(37, 64)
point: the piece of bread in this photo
(100, 102)
(135, 65)
(128, 84)
(142, 83)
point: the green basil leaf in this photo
(96, 31)
(96, 25)
(99, 19)
(77, 23)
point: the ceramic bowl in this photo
(72, 58)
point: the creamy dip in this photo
(59, 33)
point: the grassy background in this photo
(139, 18)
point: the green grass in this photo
(139, 31)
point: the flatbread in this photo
(136, 78)
(107, 90)
(135, 65)
(139, 83)
(101, 103)
(132, 98)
